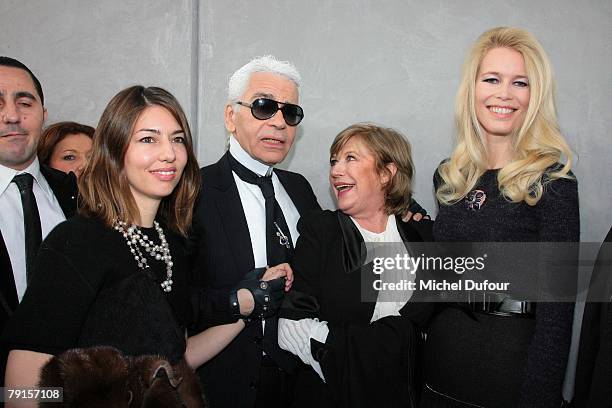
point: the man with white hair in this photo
(246, 218)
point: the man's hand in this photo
(279, 271)
(415, 212)
(415, 217)
(260, 294)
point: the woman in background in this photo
(505, 181)
(65, 146)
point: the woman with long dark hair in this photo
(117, 273)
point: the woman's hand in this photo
(279, 271)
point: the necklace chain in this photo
(136, 240)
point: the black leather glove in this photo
(268, 295)
(415, 208)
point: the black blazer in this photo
(594, 366)
(64, 187)
(222, 255)
(365, 364)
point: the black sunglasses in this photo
(264, 108)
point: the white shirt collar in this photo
(7, 174)
(390, 234)
(246, 160)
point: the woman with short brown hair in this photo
(361, 350)
(65, 146)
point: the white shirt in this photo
(11, 217)
(254, 203)
(392, 237)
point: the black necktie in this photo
(279, 246)
(31, 220)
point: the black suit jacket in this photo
(222, 255)
(65, 189)
(594, 366)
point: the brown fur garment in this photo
(102, 377)
(159, 384)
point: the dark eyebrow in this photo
(24, 94)
(156, 131)
(263, 95)
(270, 96)
(21, 94)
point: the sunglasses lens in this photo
(263, 108)
(293, 114)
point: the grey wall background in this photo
(394, 62)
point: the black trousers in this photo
(276, 387)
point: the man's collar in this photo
(246, 160)
(7, 174)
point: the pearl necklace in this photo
(136, 239)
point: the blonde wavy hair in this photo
(537, 144)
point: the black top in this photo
(555, 218)
(498, 361)
(365, 364)
(88, 290)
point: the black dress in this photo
(494, 361)
(365, 364)
(88, 290)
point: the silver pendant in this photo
(282, 238)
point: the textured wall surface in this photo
(84, 52)
(393, 62)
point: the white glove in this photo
(294, 336)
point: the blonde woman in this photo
(508, 179)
